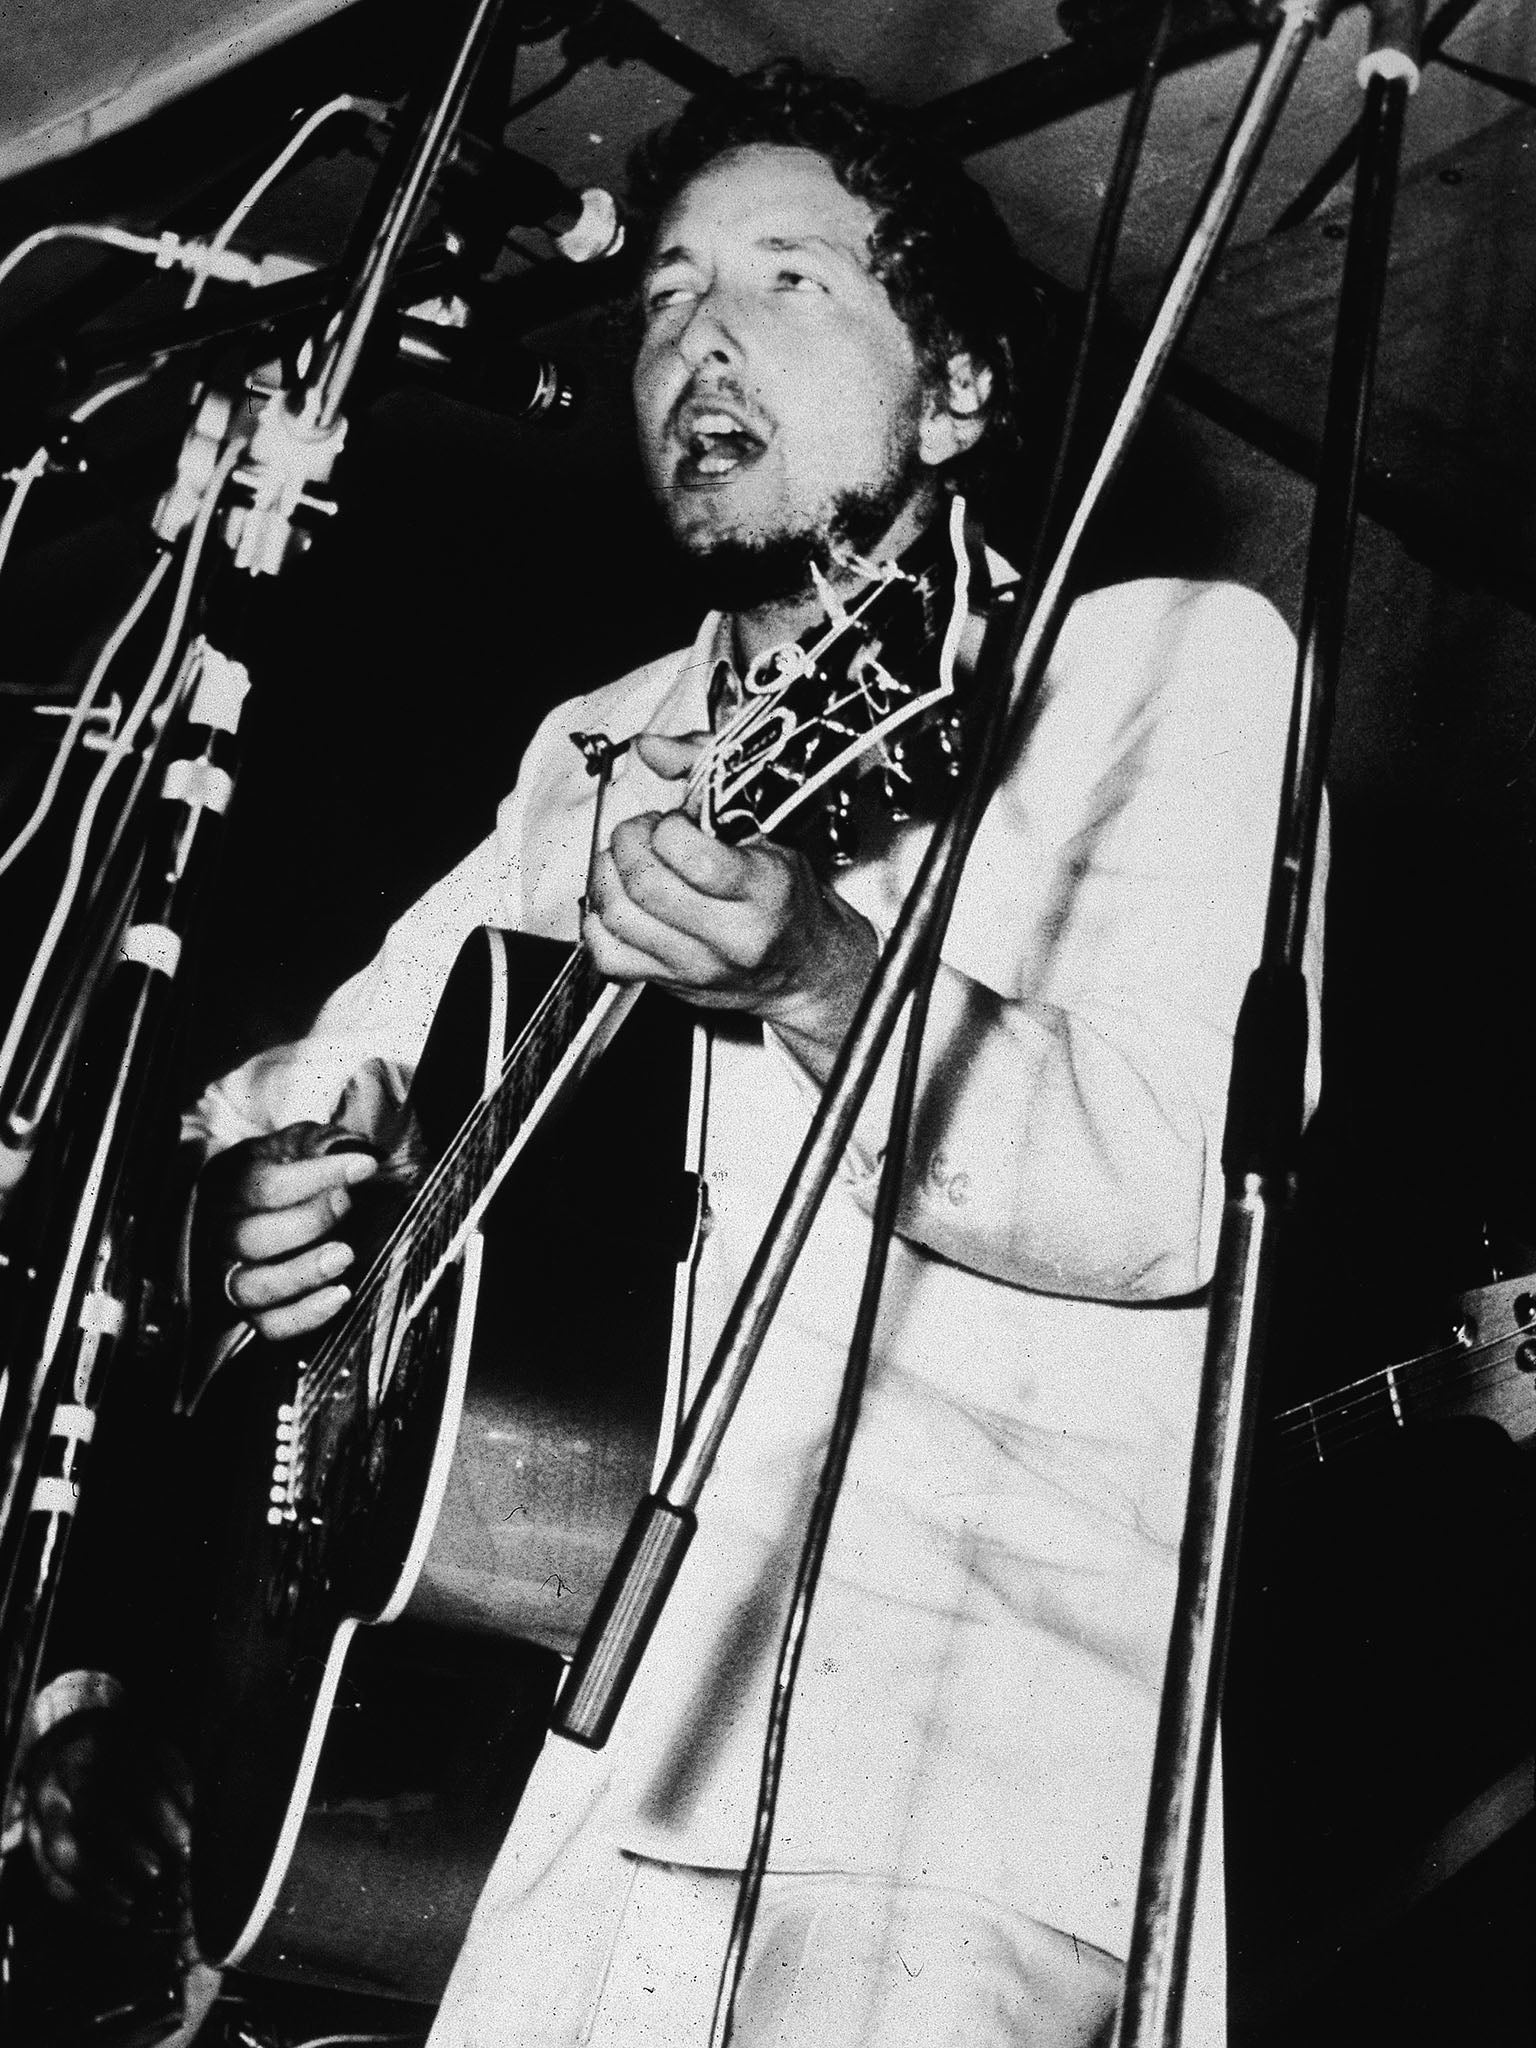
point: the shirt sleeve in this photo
(1068, 1127)
(353, 1065)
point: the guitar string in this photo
(426, 1206)
(1296, 1452)
(1305, 1426)
(1438, 1369)
(339, 1354)
(1299, 1440)
(1365, 1391)
(760, 712)
(334, 1358)
(1418, 1357)
(758, 704)
(1297, 1456)
(535, 1038)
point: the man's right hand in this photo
(267, 1216)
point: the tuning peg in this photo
(896, 781)
(838, 835)
(950, 733)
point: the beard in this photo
(736, 573)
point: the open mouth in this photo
(716, 446)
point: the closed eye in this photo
(663, 296)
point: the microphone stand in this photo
(68, 1283)
(41, 383)
(1265, 1111)
(653, 1549)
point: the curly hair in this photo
(946, 260)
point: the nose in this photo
(708, 334)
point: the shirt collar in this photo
(727, 684)
(713, 654)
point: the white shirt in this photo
(979, 1687)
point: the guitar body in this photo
(461, 1452)
(465, 1462)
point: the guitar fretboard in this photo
(877, 662)
(431, 1232)
(1489, 1369)
(447, 1204)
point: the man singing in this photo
(829, 341)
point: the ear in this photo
(954, 410)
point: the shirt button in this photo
(956, 1190)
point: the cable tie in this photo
(154, 946)
(199, 785)
(1388, 63)
(222, 685)
(73, 1421)
(1397, 27)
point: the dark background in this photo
(480, 570)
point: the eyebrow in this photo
(777, 245)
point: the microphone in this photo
(467, 348)
(511, 190)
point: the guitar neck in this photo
(470, 1171)
(832, 710)
(1488, 1370)
(569, 1027)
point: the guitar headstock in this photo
(880, 686)
(1490, 1370)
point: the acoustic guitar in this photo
(460, 1453)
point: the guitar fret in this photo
(828, 708)
(462, 1175)
(443, 1225)
(1473, 1375)
(484, 1149)
(1389, 1379)
(466, 1176)
(1317, 1441)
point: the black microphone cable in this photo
(973, 798)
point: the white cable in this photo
(213, 258)
(37, 465)
(145, 704)
(346, 2040)
(83, 705)
(108, 392)
(23, 479)
(77, 231)
(344, 103)
(118, 751)
(169, 251)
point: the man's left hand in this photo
(745, 928)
